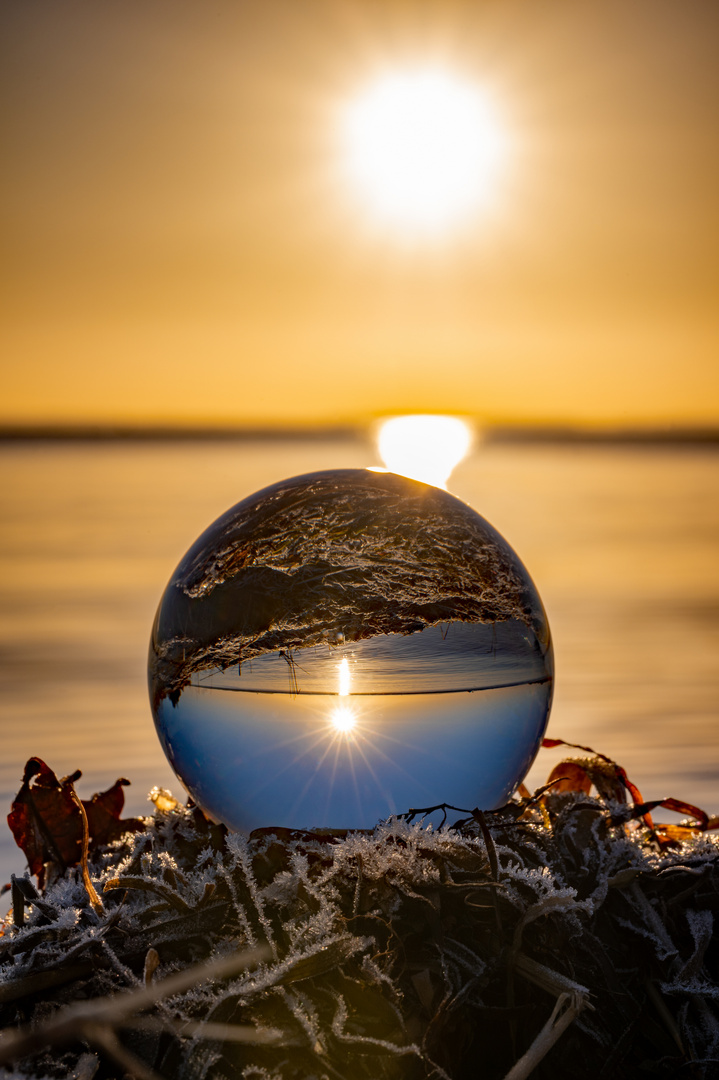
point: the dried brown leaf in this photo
(569, 776)
(46, 818)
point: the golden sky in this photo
(180, 245)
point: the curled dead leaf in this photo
(47, 821)
(612, 782)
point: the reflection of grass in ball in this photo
(363, 553)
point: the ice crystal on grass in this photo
(407, 953)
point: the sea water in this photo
(622, 541)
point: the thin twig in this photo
(565, 1011)
(547, 979)
(493, 862)
(659, 1004)
(44, 980)
(207, 1029)
(105, 1039)
(85, 1016)
(488, 842)
(94, 899)
(423, 811)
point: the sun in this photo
(422, 147)
(343, 720)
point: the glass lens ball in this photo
(347, 645)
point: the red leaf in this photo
(103, 816)
(569, 776)
(46, 820)
(609, 778)
(680, 807)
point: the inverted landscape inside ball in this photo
(344, 645)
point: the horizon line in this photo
(488, 432)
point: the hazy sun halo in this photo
(422, 147)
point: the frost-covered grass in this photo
(407, 953)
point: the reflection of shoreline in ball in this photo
(343, 645)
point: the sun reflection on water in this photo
(344, 677)
(342, 718)
(424, 447)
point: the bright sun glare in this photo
(423, 147)
(343, 719)
(424, 448)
